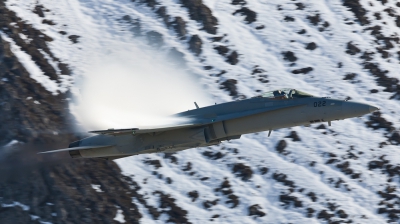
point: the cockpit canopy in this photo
(286, 93)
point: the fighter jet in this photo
(213, 124)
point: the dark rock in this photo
(325, 215)
(263, 170)
(373, 91)
(193, 195)
(314, 19)
(300, 6)
(233, 58)
(39, 10)
(255, 210)
(345, 168)
(302, 70)
(222, 50)
(311, 46)
(280, 147)
(74, 38)
(239, 2)
(179, 26)
(15, 215)
(377, 16)
(49, 22)
(390, 84)
(230, 86)
(390, 11)
(376, 121)
(289, 19)
(290, 200)
(214, 156)
(175, 213)
(202, 14)
(260, 27)
(162, 12)
(352, 49)
(225, 189)
(257, 71)
(234, 200)
(312, 196)
(356, 7)
(350, 76)
(218, 39)
(171, 157)
(188, 166)
(289, 56)
(242, 171)
(293, 135)
(195, 44)
(280, 177)
(250, 15)
(321, 126)
(342, 214)
(310, 212)
(208, 204)
(156, 163)
(303, 31)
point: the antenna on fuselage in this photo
(197, 106)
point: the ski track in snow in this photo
(97, 24)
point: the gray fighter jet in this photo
(213, 124)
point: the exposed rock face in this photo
(179, 26)
(250, 15)
(64, 193)
(358, 10)
(21, 118)
(242, 171)
(195, 44)
(230, 85)
(202, 14)
(255, 210)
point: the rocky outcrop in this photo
(64, 193)
(230, 86)
(202, 14)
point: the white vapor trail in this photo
(128, 86)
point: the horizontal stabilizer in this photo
(76, 148)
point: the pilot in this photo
(280, 95)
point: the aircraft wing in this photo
(141, 131)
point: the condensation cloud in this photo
(130, 85)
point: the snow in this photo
(97, 188)
(34, 71)
(15, 204)
(119, 217)
(96, 21)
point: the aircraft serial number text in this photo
(320, 104)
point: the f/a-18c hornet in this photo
(213, 124)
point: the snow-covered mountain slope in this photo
(348, 172)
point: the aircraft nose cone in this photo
(372, 109)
